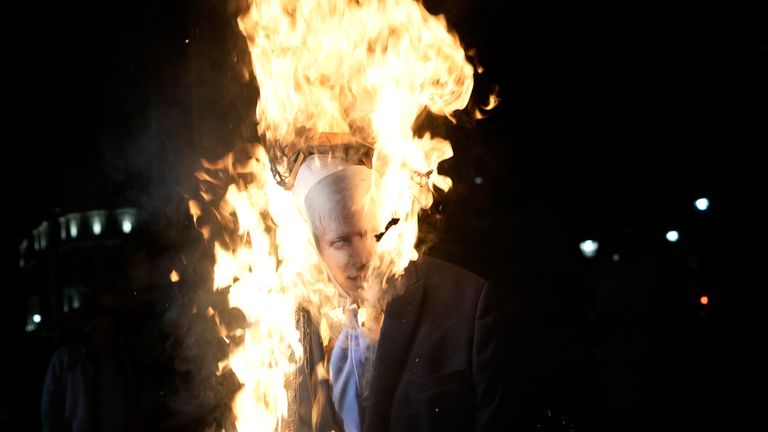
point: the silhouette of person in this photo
(89, 385)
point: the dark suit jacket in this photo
(437, 362)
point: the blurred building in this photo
(75, 258)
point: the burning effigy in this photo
(339, 79)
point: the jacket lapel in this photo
(397, 329)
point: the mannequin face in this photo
(347, 248)
(343, 221)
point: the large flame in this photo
(365, 68)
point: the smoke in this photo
(190, 101)
(201, 105)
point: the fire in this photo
(363, 69)
(174, 276)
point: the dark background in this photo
(614, 118)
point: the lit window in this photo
(43, 231)
(73, 224)
(589, 248)
(71, 299)
(36, 235)
(63, 225)
(127, 218)
(97, 219)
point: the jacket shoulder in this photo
(431, 269)
(447, 283)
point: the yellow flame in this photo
(366, 68)
(174, 276)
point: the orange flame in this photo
(366, 68)
(174, 276)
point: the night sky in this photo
(614, 117)
(612, 102)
